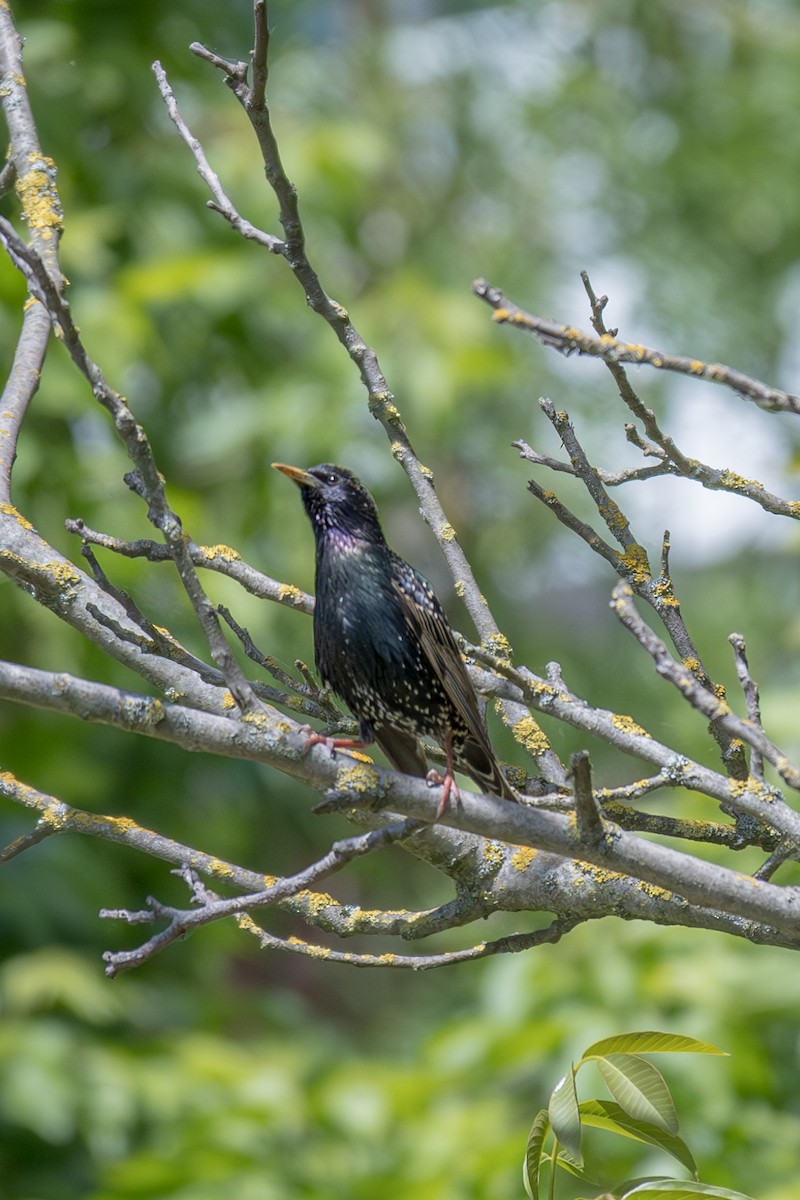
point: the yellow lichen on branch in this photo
(41, 205)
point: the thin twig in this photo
(38, 834)
(221, 203)
(182, 921)
(674, 461)
(514, 943)
(569, 340)
(380, 399)
(608, 478)
(756, 800)
(751, 698)
(711, 833)
(707, 702)
(776, 860)
(145, 480)
(35, 177)
(219, 558)
(632, 565)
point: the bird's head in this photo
(335, 500)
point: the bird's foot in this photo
(449, 788)
(333, 744)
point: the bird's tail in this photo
(475, 760)
(481, 765)
(402, 751)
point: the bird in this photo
(383, 644)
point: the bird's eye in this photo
(333, 478)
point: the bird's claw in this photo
(449, 788)
(333, 744)
(316, 739)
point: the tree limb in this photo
(569, 340)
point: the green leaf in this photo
(675, 1189)
(576, 1172)
(604, 1114)
(533, 1153)
(649, 1042)
(640, 1088)
(565, 1117)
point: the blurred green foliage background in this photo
(652, 142)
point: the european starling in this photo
(383, 643)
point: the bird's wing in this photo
(428, 622)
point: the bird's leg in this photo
(334, 744)
(448, 780)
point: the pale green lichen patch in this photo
(152, 712)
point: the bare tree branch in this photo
(661, 445)
(569, 340)
(381, 401)
(182, 921)
(572, 850)
(711, 704)
(34, 178)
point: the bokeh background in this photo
(655, 144)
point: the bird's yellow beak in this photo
(301, 478)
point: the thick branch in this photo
(698, 882)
